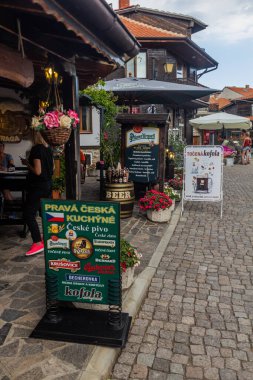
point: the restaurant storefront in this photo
(70, 39)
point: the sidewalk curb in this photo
(102, 360)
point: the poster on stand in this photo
(203, 174)
(82, 248)
(142, 153)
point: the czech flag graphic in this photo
(55, 216)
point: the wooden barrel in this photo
(122, 193)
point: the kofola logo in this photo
(83, 294)
(100, 269)
(73, 266)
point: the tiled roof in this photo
(244, 91)
(139, 29)
(248, 96)
(162, 13)
(218, 103)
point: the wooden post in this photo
(72, 148)
(188, 129)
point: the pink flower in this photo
(73, 115)
(51, 120)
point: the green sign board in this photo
(82, 248)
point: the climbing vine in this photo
(110, 133)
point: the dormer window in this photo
(137, 67)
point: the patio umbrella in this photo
(220, 120)
(134, 91)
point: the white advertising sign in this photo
(142, 135)
(203, 173)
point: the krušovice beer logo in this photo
(82, 248)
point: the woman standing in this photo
(246, 149)
(39, 185)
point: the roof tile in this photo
(218, 103)
(139, 29)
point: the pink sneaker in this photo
(35, 248)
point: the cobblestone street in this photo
(196, 321)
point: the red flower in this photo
(123, 266)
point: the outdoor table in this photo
(14, 181)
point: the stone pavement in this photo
(196, 321)
(22, 303)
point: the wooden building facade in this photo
(167, 54)
(82, 40)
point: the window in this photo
(137, 67)
(180, 71)
(85, 119)
(193, 74)
(251, 109)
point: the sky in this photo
(228, 37)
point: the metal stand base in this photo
(83, 326)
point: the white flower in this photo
(65, 121)
(35, 122)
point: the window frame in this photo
(82, 130)
(135, 62)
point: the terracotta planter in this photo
(160, 216)
(56, 194)
(127, 278)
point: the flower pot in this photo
(127, 277)
(56, 194)
(172, 207)
(160, 216)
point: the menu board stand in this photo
(82, 265)
(143, 142)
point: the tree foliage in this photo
(110, 133)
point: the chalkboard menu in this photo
(142, 152)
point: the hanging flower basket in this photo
(56, 136)
(55, 126)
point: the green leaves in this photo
(110, 133)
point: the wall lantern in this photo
(168, 67)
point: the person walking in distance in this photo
(246, 148)
(39, 185)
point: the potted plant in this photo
(172, 194)
(177, 185)
(55, 126)
(129, 259)
(157, 204)
(58, 187)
